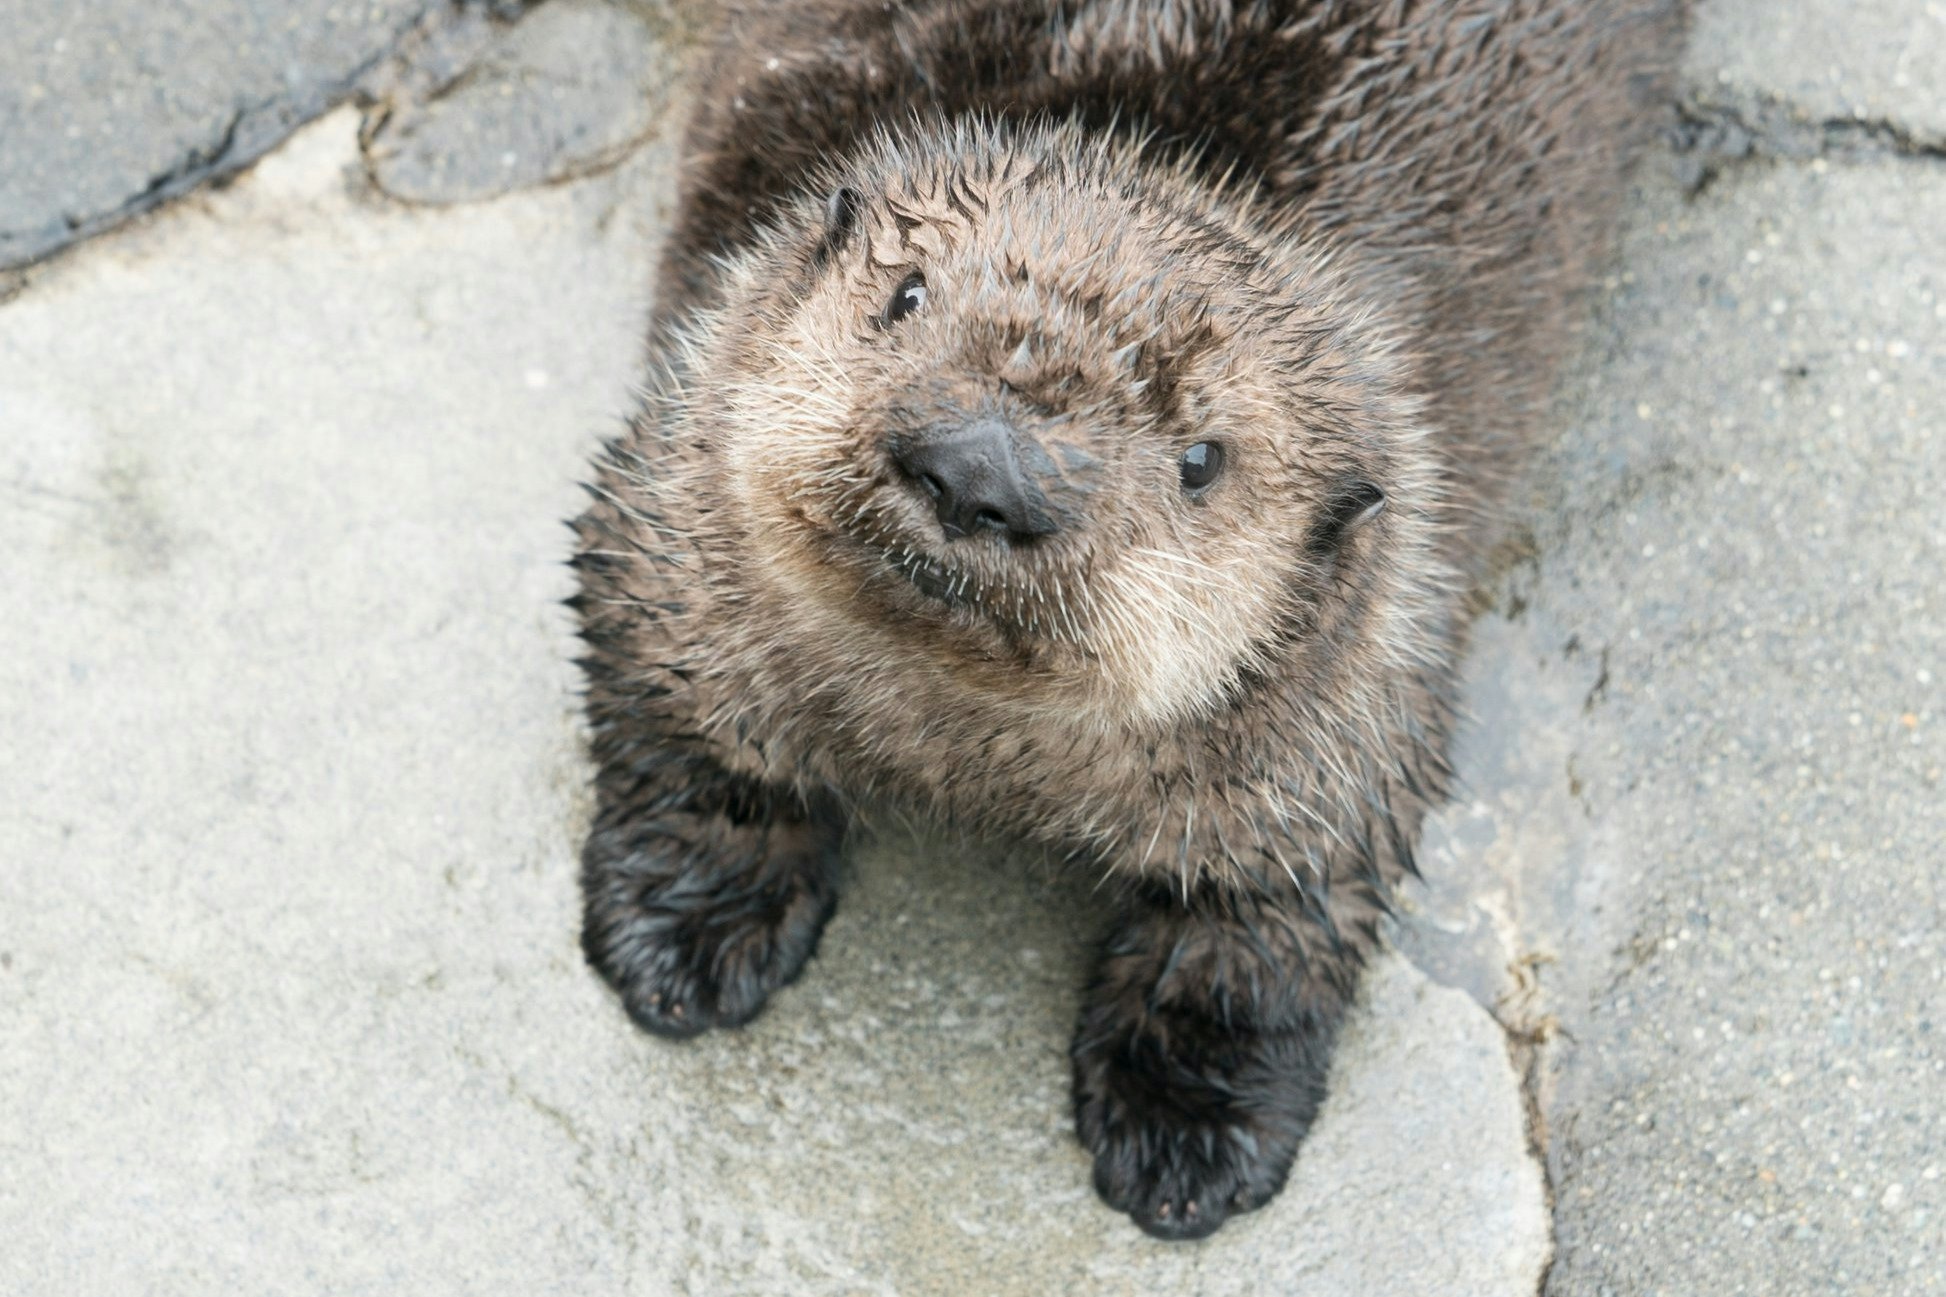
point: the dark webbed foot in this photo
(695, 919)
(1190, 1126)
(1200, 1061)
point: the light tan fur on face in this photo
(1074, 302)
(1177, 684)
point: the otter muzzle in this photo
(973, 475)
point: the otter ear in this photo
(1348, 509)
(840, 219)
(1359, 504)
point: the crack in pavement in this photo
(1712, 136)
(1529, 1030)
(251, 130)
(434, 58)
(576, 88)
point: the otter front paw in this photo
(703, 945)
(1187, 1133)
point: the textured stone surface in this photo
(1833, 59)
(107, 104)
(1700, 848)
(571, 89)
(289, 994)
(1749, 560)
(1706, 812)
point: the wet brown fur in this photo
(1344, 237)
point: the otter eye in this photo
(907, 298)
(1201, 464)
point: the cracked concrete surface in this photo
(109, 108)
(1699, 859)
(1832, 59)
(1746, 1095)
(289, 993)
(571, 90)
(1713, 136)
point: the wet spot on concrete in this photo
(129, 518)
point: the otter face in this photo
(1031, 410)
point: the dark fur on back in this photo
(1344, 238)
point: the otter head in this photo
(1085, 435)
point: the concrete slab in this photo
(1735, 626)
(1697, 861)
(1831, 59)
(289, 994)
(106, 108)
(574, 87)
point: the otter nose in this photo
(973, 475)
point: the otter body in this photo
(1082, 422)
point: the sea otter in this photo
(1081, 421)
